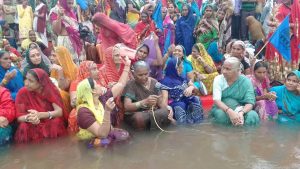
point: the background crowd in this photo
(87, 67)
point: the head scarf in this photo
(27, 64)
(84, 71)
(66, 62)
(297, 73)
(172, 78)
(49, 93)
(205, 56)
(239, 42)
(85, 99)
(113, 32)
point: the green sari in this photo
(240, 93)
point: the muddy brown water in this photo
(205, 146)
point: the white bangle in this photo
(50, 115)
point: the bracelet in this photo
(138, 105)
(50, 115)
(4, 82)
(227, 109)
(26, 118)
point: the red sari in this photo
(41, 102)
(140, 26)
(7, 106)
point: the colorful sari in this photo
(133, 18)
(288, 102)
(7, 110)
(184, 31)
(70, 23)
(265, 108)
(140, 27)
(241, 92)
(25, 20)
(168, 37)
(209, 78)
(187, 110)
(41, 102)
(70, 72)
(15, 84)
(113, 32)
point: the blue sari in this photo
(15, 84)
(288, 102)
(187, 110)
(184, 31)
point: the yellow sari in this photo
(70, 72)
(25, 20)
(85, 99)
(209, 77)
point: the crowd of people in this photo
(88, 67)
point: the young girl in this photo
(265, 100)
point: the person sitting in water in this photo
(288, 98)
(233, 96)
(39, 109)
(94, 119)
(140, 96)
(7, 115)
(187, 108)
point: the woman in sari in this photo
(94, 119)
(65, 25)
(133, 14)
(141, 97)
(64, 70)
(39, 109)
(288, 99)
(238, 51)
(144, 27)
(265, 104)
(208, 27)
(168, 34)
(187, 108)
(233, 96)
(7, 115)
(39, 21)
(25, 16)
(34, 58)
(204, 67)
(184, 29)
(10, 77)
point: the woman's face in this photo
(150, 11)
(208, 12)
(171, 8)
(35, 56)
(144, 18)
(195, 52)
(142, 53)
(116, 56)
(94, 71)
(291, 83)
(25, 2)
(178, 52)
(70, 3)
(179, 69)
(185, 11)
(53, 58)
(5, 61)
(237, 51)
(260, 73)
(228, 71)
(141, 75)
(98, 90)
(220, 15)
(31, 83)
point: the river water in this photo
(205, 146)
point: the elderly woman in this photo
(34, 58)
(204, 67)
(288, 99)
(10, 77)
(39, 109)
(238, 50)
(141, 97)
(7, 115)
(187, 108)
(233, 96)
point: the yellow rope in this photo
(152, 109)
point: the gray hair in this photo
(235, 62)
(140, 64)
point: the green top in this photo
(248, 6)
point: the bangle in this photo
(50, 115)
(243, 111)
(137, 105)
(227, 109)
(4, 82)
(26, 118)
